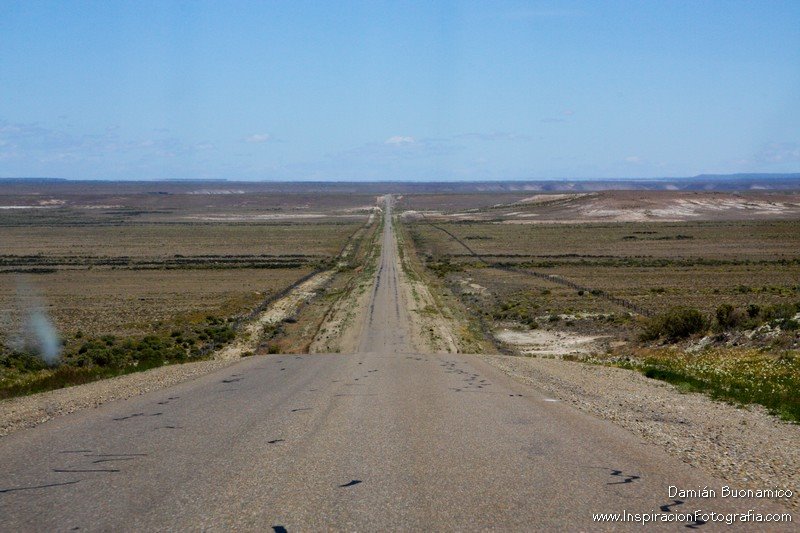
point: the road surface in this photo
(383, 439)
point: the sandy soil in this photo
(546, 342)
(341, 329)
(257, 217)
(431, 329)
(468, 286)
(280, 310)
(546, 198)
(335, 335)
(681, 209)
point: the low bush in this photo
(519, 310)
(784, 311)
(675, 324)
(22, 361)
(106, 355)
(754, 315)
(443, 267)
(728, 317)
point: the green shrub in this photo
(443, 267)
(675, 324)
(97, 357)
(728, 317)
(778, 312)
(108, 339)
(23, 361)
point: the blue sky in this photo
(398, 90)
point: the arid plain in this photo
(671, 314)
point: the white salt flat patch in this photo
(27, 206)
(470, 287)
(217, 191)
(543, 342)
(270, 216)
(683, 209)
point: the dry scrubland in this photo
(657, 266)
(699, 289)
(710, 302)
(135, 280)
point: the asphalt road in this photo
(379, 440)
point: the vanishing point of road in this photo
(382, 439)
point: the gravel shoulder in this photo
(746, 447)
(29, 411)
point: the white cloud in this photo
(538, 13)
(493, 136)
(564, 116)
(784, 152)
(399, 140)
(633, 159)
(259, 138)
(33, 145)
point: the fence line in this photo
(554, 278)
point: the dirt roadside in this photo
(439, 324)
(341, 328)
(432, 329)
(248, 340)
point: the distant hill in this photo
(703, 182)
(31, 180)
